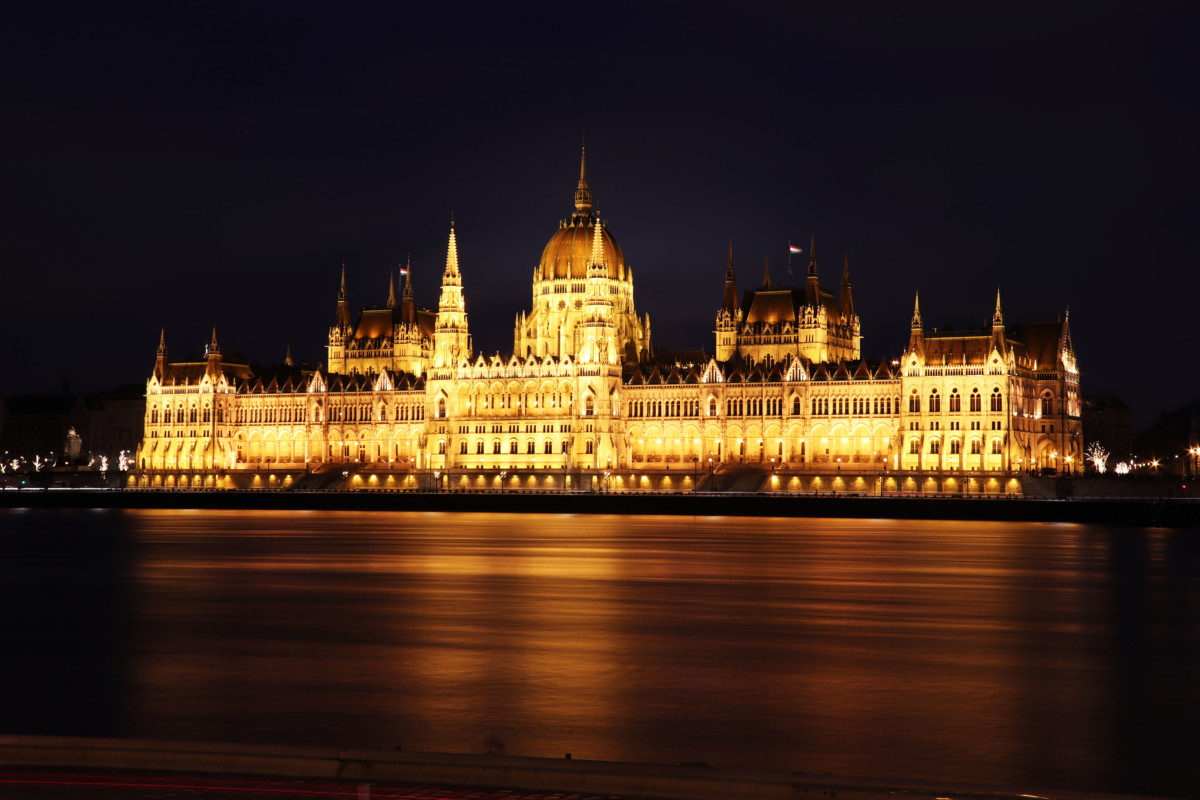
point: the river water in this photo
(1048, 656)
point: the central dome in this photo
(567, 253)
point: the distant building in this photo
(37, 425)
(1106, 419)
(105, 423)
(1172, 441)
(585, 391)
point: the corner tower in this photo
(451, 340)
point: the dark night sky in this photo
(185, 165)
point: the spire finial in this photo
(408, 277)
(766, 272)
(998, 315)
(391, 301)
(583, 194)
(162, 339)
(287, 359)
(846, 265)
(812, 253)
(212, 346)
(916, 320)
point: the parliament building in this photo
(785, 401)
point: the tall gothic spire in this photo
(160, 362)
(730, 302)
(998, 326)
(846, 299)
(213, 354)
(812, 287)
(408, 309)
(391, 301)
(583, 194)
(766, 272)
(916, 337)
(342, 320)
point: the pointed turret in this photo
(342, 320)
(916, 338)
(766, 272)
(391, 301)
(846, 298)
(408, 308)
(287, 359)
(452, 258)
(730, 303)
(812, 288)
(596, 261)
(596, 334)
(160, 363)
(213, 351)
(998, 326)
(1066, 348)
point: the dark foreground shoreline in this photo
(1138, 512)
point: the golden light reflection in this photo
(596, 635)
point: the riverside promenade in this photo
(44, 767)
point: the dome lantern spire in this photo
(583, 194)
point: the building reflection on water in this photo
(1041, 655)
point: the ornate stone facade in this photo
(584, 392)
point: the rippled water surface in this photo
(1058, 656)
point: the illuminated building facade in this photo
(584, 392)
